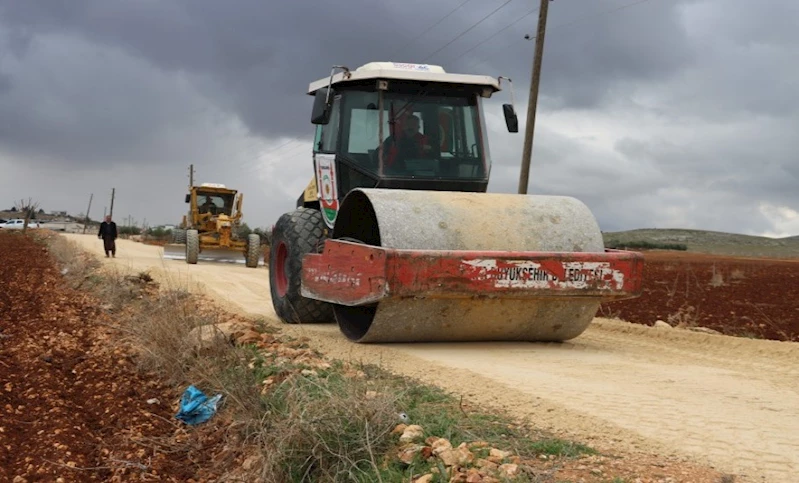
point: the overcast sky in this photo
(658, 113)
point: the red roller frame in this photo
(353, 274)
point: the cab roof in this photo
(405, 71)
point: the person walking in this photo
(108, 232)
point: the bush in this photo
(644, 245)
(159, 233)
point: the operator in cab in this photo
(208, 206)
(408, 143)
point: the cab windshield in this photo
(423, 136)
(215, 203)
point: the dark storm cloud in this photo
(655, 113)
(253, 57)
(258, 57)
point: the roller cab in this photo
(396, 240)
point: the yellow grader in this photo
(209, 231)
(397, 240)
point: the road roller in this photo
(396, 238)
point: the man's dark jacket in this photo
(108, 231)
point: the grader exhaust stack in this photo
(416, 250)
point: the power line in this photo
(565, 24)
(468, 30)
(535, 10)
(430, 28)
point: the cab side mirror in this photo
(323, 99)
(511, 121)
(188, 198)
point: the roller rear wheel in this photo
(295, 234)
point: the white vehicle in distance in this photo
(17, 224)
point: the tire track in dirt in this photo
(730, 402)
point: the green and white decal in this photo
(326, 187)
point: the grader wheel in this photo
(253, 250)
(179, 236)
(192, 246)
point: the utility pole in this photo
(86, 222)
(191, 184)
(532, 104)
(111, 213)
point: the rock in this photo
(309, 373)
(464, 455)
(478, 444)
(473, 476)
(20, 479)
(399, 429)
(659, 324)
(449, 457)
(459, 477)
(371, 394)
(408, 453)
(486, 465)
(596, 471)
(428, 478)
(509, 470)
(413, 432)
(440, 445)
(427, 452)
(206, 336)
(497, 456)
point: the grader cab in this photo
(210, 229)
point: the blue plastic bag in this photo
(196, 407)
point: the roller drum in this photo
(438, 220)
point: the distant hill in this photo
(715, 242)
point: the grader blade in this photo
(220, 255)
(406, 266)
(175, 251)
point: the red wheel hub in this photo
(281, 277)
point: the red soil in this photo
(735, 296)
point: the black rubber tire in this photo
(179, 236)
(299, 232)
(253, 250)
(192, 246)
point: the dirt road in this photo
(729, 402)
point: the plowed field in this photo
(72, 405)
(756, 298)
